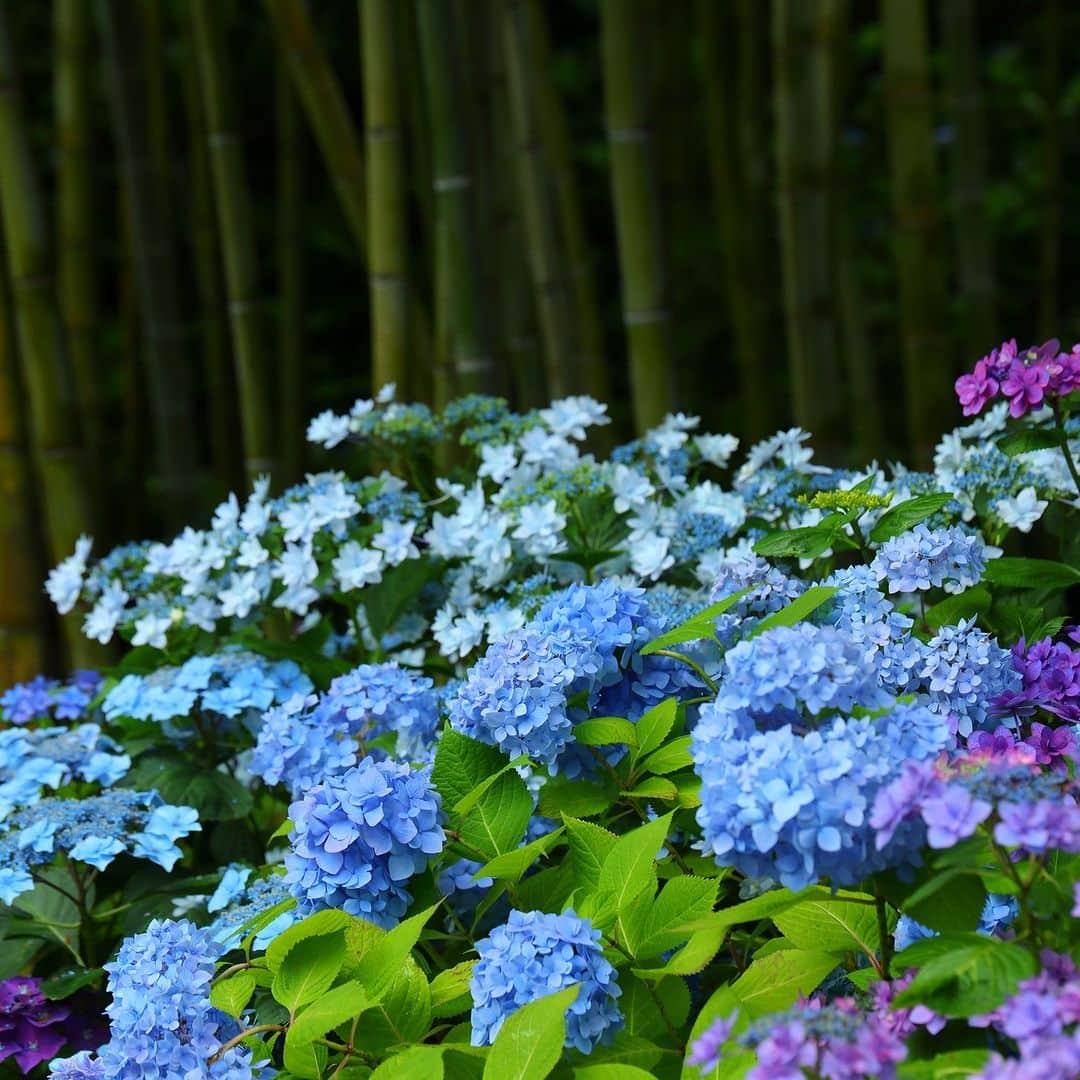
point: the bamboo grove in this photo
(221, 215)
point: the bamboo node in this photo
(452, 183)
(644, 318)
(630, 134)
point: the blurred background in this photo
(221, 217)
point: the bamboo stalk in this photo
(738, 236)
(22, 622)
(1050, 227)
(75, 218)
(969, 168)
(386, 194)
(232, 201)
(547, 259)
(168, 375)
(53, 421)
(463, 361)
(642, 262)
(803, 164)
(928, 366)
(589, 337)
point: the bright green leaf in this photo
(797, 610)
(681, 900)
(606, 731)
(908, 514)
(775, 982)
(669, 758)
(831, 925)
(381, 963)
(329, 1011)
(498, 822)
(653, 787)
(631, 864)
(512, 865)
(655, 725)
(462, 765)
(322, 922)
(231, 995)
(530, 1042)
(590, 845)
(701, 625)
(309, 970)
(415, 1063)
(450, 994)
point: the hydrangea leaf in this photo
(450, 990)
(590, 845)
(182, 782)
(580, 798)
(321, 923)
(381, 963)
(775, 982)
(513, 864)
(328, 1012)
(695, 628)
(807, 542)
(309, 970)
(231, 995)
(681, 900)
(722, 1003)
(462, 764)
(655, 725)
(402, 1015)
(416, 1061)
(530, 1042)
(1023, 573)
(964, 605)
(606, 731)
(831, 925)
(631, 864)
(611, 1071)
(908, 514)
(953, 1063)
(949, 901)
(386, 601)
(1027, 439)
(627, 1049)
(670, 758)
(639, 1006)
(498, 822)
(653, 787)
(306, 1060)
(797, 610)
(692, 958)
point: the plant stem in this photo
(884, 938)
(236, 1040)
(1059, 425)
(697, 668)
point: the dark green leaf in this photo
(908, 514)
(1030, 573)
(701, 625)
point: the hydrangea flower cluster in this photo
(230, 687)
(34, 1029)
(93, 830)
(998, 914)
(862, 611)
(32, 759)
(770, 590)
(924, 558)
(1022, 806)
(1049, 674)
(161, 1022)
(49, 699)
(310, 738)
(238, 900)
(534, 954)
(1025, 379)
(358, 838)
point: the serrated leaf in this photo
(450, 994)
(906, 515)
(330, 1011)
(641, 1012)
(655, 725)
(309, 970)
(681, 900)
(775, 982)
(381, 963)
(512, 865)
(412, 1064)
(606, 731)
(330, 921)
(402, 1015)
(231, 995)
(701, 625)
(653, 787)
(530, 1042)
(462, 764)
(831, 925)
(699, 950)
(463, 806)
(499, 820)
(64, 983)
(590, 845)
(627, 1049)
(949, 901)
(953, 1063)
(631, 864)
(1027, 439)
(578, 798)
(1030, 573)
(670, 758)
(797, 610)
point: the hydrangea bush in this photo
(517, 759)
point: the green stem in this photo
(697, 668)
(884, 937)
(1063, 438)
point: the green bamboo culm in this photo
(927, 363)
(22, 622)
(804, 117)
(548, 262)
(232, 200)
(57, 452)
(969, 168)
(462, 353)
(737, 230)
(386, 193)
(75, 212)
(145, 181)
(637, 212)
(291, 147)
(1053, 208)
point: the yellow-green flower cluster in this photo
(845, 500)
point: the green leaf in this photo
(450, 994)
(973, 977)
(463, 806)
(462, 764)
(182, 782)
(681, 900)
(412, 1064)
(605, 731)
(673, 756)
(309, 970)
(403, 1015)
(231, 995)
(953, 1063)
(62, 984)
(630, 866)
(797, 610)
(498, 822)
(330, 921)
(512, 865)
(775, 982)
(590, 845)
(639, 1006)
(653, 787)
(831, 925)
(655, 725)
(1030, 573)
(579, 798)
(611, 1071)
(807, 542)
(692, 957)
(530, 1042)
(387, 601)
(974, 601)
(699, 626)
(949, 901)
(305, 1060)
(908, 514)
(384, 959)
(627, 1049)
(1020, 442)
(330, 1011)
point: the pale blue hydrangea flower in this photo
(924, 558)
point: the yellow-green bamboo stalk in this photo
(642, 261)
(1050, 225)
(463, 360)
(386, 193)
(75, 217)
(928, 364)
(168, 375)
(548, 263)
(969, 168)
(738, 233)
(291, 247)
(232, 201)
(53, 422)
(554, 130)
(22, 622)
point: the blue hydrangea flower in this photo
(358, 838)
(535, 954)
(861, 610)
(999, 913)
(770, 590)
(161, 1022)
(924, 558)
(253, 902)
